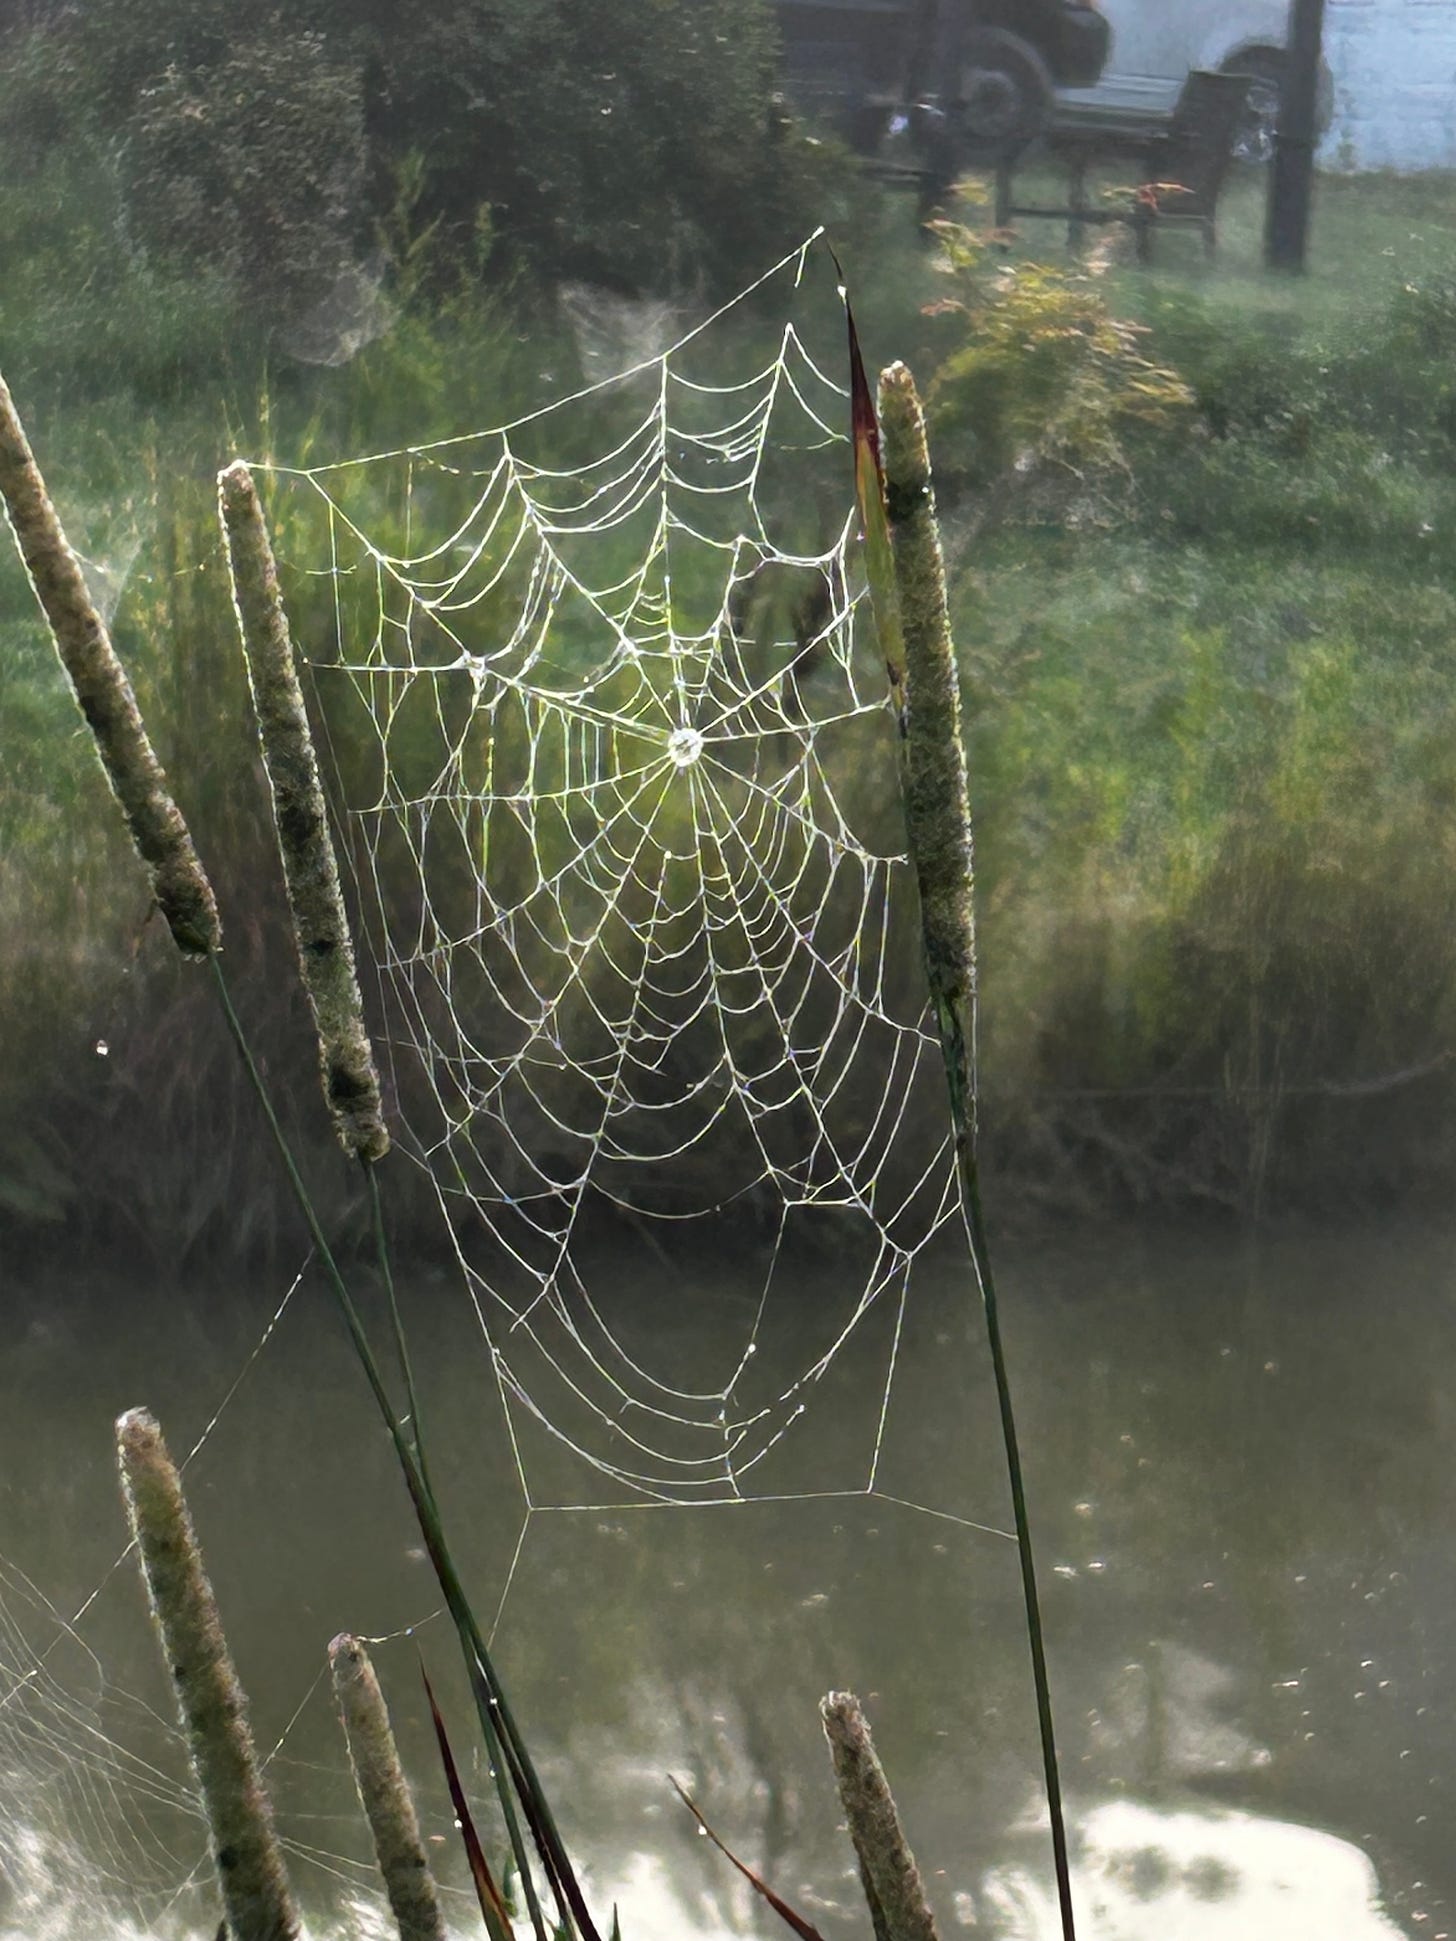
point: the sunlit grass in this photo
(1210, 739)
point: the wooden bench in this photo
(1179, 165)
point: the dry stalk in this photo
(891, 1879)
(384, 1793)
(250, 1871)
(99, 681)
(320, 924)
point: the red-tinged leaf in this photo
(864, 425)
(805, 1930)
(493, 1910)
(869, 488)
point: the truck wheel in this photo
(1003, 93)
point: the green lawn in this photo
(1212, 726)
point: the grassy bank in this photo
(1211, 716)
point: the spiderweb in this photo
(615, 767)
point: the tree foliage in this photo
(253, 164)
(632, 142)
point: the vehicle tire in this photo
(1002, 94)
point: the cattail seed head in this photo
(937, 797)
(250, 1872)
(320, 924)
(104, 694)
(892, 1883)
(384, 1794)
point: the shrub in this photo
(633, 142)
(1045, 386)
(253, 165)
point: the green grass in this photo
(1212, 737)
(1211, 732)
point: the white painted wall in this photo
(1394, 64)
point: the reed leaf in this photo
(497, 1723)
(805, 1930)
(869, 489)
(245, 1850)
(159, 834)
(565, 1887)
(493, 1909)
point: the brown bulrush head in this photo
(891, 1879)
(250, 1871)
(937, 799)
(158, 831)
(384, 1794)
(320, 924)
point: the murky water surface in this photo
(1242, 1463)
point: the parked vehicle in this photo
(1156, 42)
(980, 75)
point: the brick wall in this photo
(1394, 64)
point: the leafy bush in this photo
(1046, 384)
(632, 142)
(253, 165)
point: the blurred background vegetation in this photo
(1202, 530)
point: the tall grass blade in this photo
(493, 1909)
(245, 1850)
(384, 1794)
(805, 1930)
(158, 832)
(396, 1321)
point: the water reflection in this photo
(1198, 1875)
(1243, 1480)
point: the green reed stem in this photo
(484, 1684)
(938, 822)
(396, 1321)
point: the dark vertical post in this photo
(920, 63)
(1291, 178)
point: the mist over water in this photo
(1239, 1463)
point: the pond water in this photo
(1241, 1456)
